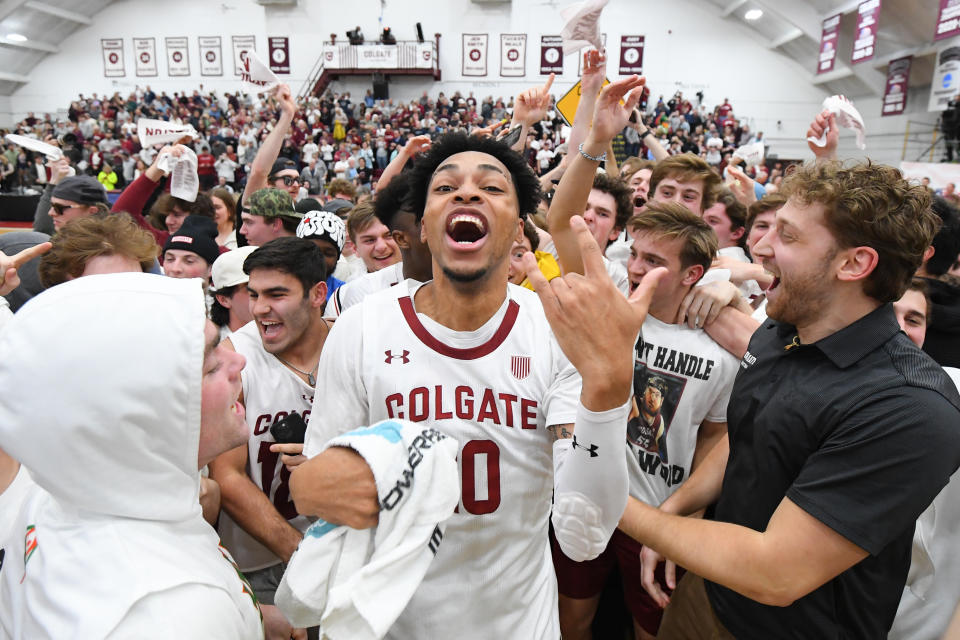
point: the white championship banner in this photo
(211, 56)
(178, 56)
(113, 57)
(513, 55)
(474, 54)
(241, 44)
(145, 57)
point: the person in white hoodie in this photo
(113, 428)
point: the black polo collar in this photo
(850, 344)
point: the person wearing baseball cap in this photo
(285, 176)
(328, 232)
(228, 284)
(76, 197)
(192, 250)
(268, 214)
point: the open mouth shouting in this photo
(270, 330)
(466, 229)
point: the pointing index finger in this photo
(590, 252)
(29, 254)
(548, 83)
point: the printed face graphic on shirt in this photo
(657, 395)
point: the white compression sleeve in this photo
(590, 482)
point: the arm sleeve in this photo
(134, 199)
(340, 403)
(590, 482)
(42, 221)
(903, 447)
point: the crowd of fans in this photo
(778, 382)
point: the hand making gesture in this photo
(574, 302)
(616, 102)
(9, 280)
(531, 105)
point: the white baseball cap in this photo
(227, 269)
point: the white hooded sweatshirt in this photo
(101, 380)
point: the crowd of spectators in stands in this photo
(337, 135)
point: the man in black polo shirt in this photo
(841, 431)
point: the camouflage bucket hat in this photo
(271, 203)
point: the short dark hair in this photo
(772, 201)
(622, 196)
(735, 211)
(389, 200)
(219, 314)
(524, 181)
(920, 285)
(299, 257)
(530, 231)
(946, 244)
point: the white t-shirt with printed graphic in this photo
(691, 376)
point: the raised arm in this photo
(650, 140)
(823, 121)
(414, 146)
(591, 82)
(270, 149)
(571, 195)
(529, 108)
(590, 470)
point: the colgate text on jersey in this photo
(464, 403)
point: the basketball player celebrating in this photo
(282, 345)
(477, 358)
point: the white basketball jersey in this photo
(270, 392)
(681, 378)
(353, 292)
(495, 390)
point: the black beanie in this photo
(196, 234)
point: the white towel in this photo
(355, 583)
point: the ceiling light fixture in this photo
(16, 37)
(753, 14)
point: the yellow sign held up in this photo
(567, 105)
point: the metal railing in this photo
(404, 55)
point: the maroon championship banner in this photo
(551, 55)
(898, 79)
(828, 44)
(868, 19)
(279, 54)
(948, 20)
(631, 55)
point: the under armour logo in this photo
(391, 356)
(592, 449)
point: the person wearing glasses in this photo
(268, 168)
(76, 197)
(285, 176)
